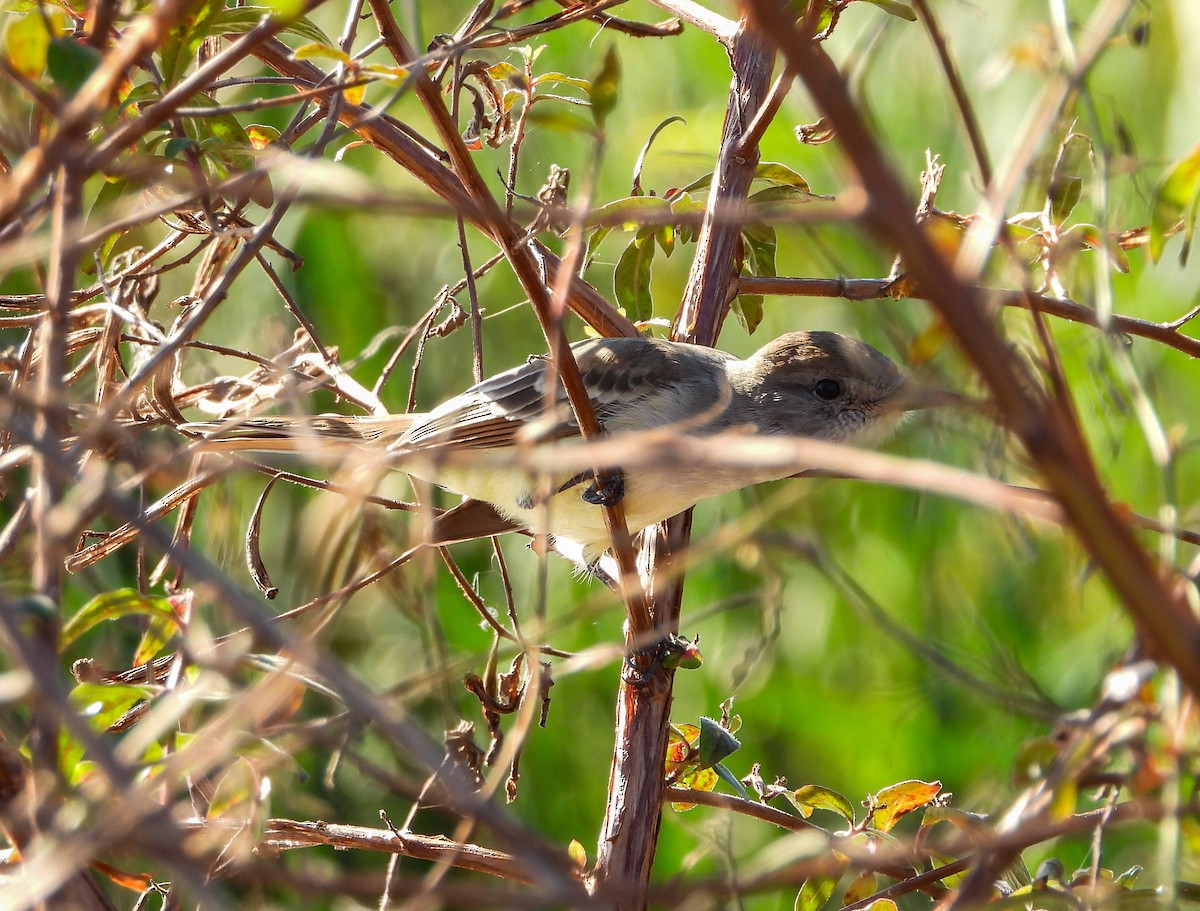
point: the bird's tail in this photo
(300, 434)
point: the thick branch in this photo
(629, 835)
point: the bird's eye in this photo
(827, 389)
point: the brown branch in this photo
(862, 289)
(290, 834)
(666, 29)
(633, 815)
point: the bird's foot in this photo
(606, 490)
(669, 653)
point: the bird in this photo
(813, 384)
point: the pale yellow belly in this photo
(651, 495)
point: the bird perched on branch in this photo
(819, 385)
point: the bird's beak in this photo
(914, 396)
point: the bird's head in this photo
(832, 387)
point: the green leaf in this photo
(782, 194)
(863, 886)
(503, 70)
(761, 243)
(748, 308)
(157, 635)
(629, 211)
(715, 743)
(732, 780)
(631, 280)
(593, 243)
(70, 63)
(226, 149)
(604, 88)
(814, 797)
(561, 79)
(1066, 182)
(780, 175)
(665, 237)
(102, 704)
(287, 10)
(641, 159)
(770, 171)
(241, 19)
(1127, 879)
(124, 602)
(815, 892)
(1177, 197)
(177, 145)
(895, 8)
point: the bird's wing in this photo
(618, 375)
(299, 433)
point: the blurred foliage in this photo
(870, 635)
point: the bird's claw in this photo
(606, 490)
(671, 652)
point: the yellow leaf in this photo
(895, 801)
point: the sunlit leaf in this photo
(682, 740)
(563, 79)
(318, 50)
(814, 797)
(665, 238)
(26, 45)
(629, 212)
(863, 885)
(1176, 199)
(135, 882)
(102, 704)
(287, 10)
(699, 780)
(578, 854)
(113, 605)
(503, 70)
(234, 792)
(900, 799)
(771, 171)
(261, 135)
(815, 893)
(1130, 876)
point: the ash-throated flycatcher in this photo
(820, 385)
